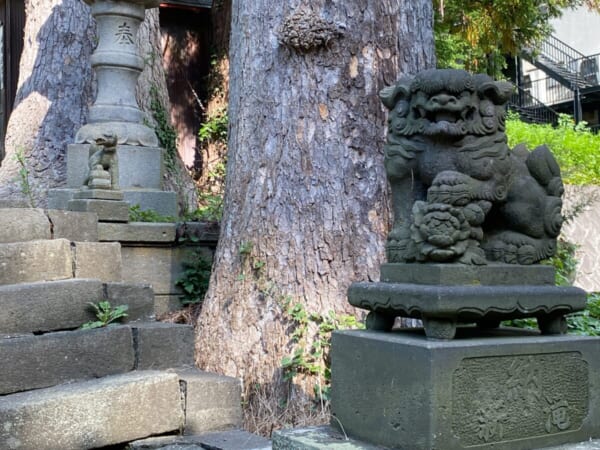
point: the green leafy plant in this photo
(106, 315)
(586, 322)
(564, 262)
(167, 136)
(313, 359)
(214, 127)
(137, 214)
(194, 279)
(24, 176)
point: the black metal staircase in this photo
(561, 62)
(530, 109)
(576, 73)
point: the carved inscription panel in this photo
(503, 398)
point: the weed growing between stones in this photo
(194, 280)
(24, 176)
(106, 315)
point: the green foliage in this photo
(214, 127)
(586, 322)
(564, 262)
(476, 35)
(167, 137)
(194, 280)
(136, 214)
(106, 315)
(575, 147)
(211, 207)
(313, 359)
(24, 176)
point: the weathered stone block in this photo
(25, 262)
(107, 210)
(98, 260)
(317, 438)
(221, 440)
(93, 413)
(59, 198)
(137, 232)
(41, 361)
(139, 298)
(74, 226)
(164, 304)
(160, 267)
(131, 158)
(23, 224)
(98, 194)
(163, 345)
(492, 274)
(213, 402)
(510, 390)
(163, 202)
(47, 306)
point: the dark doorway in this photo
(12, 24)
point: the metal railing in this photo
(548, 91)
(531, 109)
(588, 68)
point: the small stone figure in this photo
(103, 166)
(460, 194)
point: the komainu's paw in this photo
(516, 248)
(457, 195)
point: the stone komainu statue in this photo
(459, 193)
(103, 164)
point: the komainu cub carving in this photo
(459, 193)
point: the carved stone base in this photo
(446, 295)
(107, 210)
(510, 389)
(98, 194)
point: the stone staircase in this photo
(62, 387)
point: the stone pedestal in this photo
(505, 390)
(447, 295)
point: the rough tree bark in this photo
(306, 204)
(55, 89)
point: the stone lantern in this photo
(115, 112)
(117, 64)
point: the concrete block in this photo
(160, 267)
(461, 274)
(131, 159)
(23, 224)
(98, 260)
(137, 232)
(14, 203)
(221, 440)
(508, 390)
(74, 226)
(317, 438)
(47, 306)
(59, 198)
(163, 345)
(163, 202)
(42, 361)
(107, 210)
(164, 304)
(212, 402)
(25, 262)
(139, 298)
(206, 233)
(93, 413)
(98, 194)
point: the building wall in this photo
(580, 28)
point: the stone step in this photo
(62, 305)
(92, 413)
(29, 224)
(34, 362)
(221, 440)
(59, 259)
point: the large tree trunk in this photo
(55, 90)
(306, 204)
